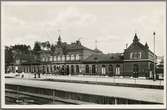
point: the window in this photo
(59, 58)
(140, 55)
(131, 55)
(135, 55)
(55, 58)
(77, 68)
(43, 59)
(46, 59)
(77, 57)
(50, 58)
(87, 68)
(117, 69)
(93, 69)
(67, 57)
(72, 69)
(72, 57)
(103, 69)
(63, 58)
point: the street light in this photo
(154, 75)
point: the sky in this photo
(111, 24)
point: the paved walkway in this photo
(96, 79)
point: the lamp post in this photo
(154, 75)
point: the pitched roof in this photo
(136, 41)
(114, 57)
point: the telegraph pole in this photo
(95, 44)
(154, 75)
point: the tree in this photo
(46, 45)
(8, 55)
(37, 50)
(37, 47)
(52, 49)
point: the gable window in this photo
(140, 55)
(135, 55)
(131, 55)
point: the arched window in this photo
(103, 69)
(87, 68)
(43, 58)
(77, 57)
(67, 57)
(93, 69)
(77, 68)
(55, 58)
(72, 57)
(47, 58)
(63, 58)
(72, 69)
(59, 58)
(117, 69)
(50, 58)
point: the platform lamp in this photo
(154, 75)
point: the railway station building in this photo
(137, 60)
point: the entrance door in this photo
(93, 69)
(67, 70)
(135, 70)
(87, 68)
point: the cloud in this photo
(15, 20)
(72, 16)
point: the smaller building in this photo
(139, 60)
(104, 64)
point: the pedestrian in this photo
(35, 75)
